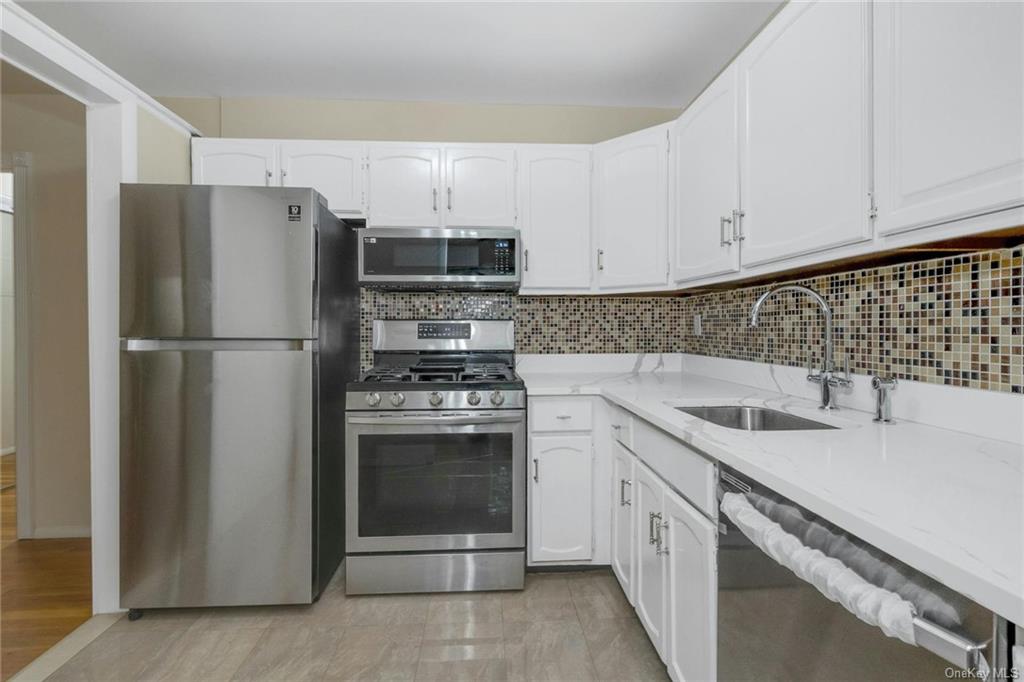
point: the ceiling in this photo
(658, 54)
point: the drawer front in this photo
(621, 423)
(682, 467)
(560, 414)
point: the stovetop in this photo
(430, 373)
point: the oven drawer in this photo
(560, 414)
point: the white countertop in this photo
(947, 503)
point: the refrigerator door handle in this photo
(217, 344)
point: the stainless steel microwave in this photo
(456, 258)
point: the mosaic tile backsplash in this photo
(955, 321)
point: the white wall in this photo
(51, 128)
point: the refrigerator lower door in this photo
(217, 469)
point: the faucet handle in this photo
(811, 374)
(845, 380)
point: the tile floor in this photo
(563, 626)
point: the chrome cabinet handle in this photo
(616, 427)
(536, 470)
(270, 176)
(563, 416)
(449, 198)
(737, 225)
(600, 259)
(650, 527)
(526, 260)
(435, 200)
(724, 237)
(623, 502)
(662, 549)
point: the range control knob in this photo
(397, 399)
(373, 399)
(435, 398)
(497, 398)
(473, 398)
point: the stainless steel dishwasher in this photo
(772, 625)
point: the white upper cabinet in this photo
(554, 217)
(404, 186)
(705, 190)
(689, 547)
(335, 169)
(251, 163)
(805, 145)
(480, 186)
(560, 498)
(949, 111)
(623, 519)
(631, 203)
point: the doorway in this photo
(45, 569)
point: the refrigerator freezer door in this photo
(217, 470)
(201, 261)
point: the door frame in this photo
(20, 164)
(112, 105)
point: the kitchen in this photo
(726, 391)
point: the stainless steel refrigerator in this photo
(239, 315)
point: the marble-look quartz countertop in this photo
(948, 503)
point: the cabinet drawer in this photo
(560, 414)
(621, 423)
(680, 466)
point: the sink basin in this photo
(753, 418)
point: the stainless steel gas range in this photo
(435, 477)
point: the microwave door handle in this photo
(439, 421)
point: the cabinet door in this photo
(805, 148)
(554, 210)
(623, 519)
(631, 189)
(404, 186)
(560, 498)
(480, 187)
(335, 169)
(649, 573)
(690, 542)
(949, 110)
(706, 182)
(250, 163)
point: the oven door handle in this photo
(439, 421)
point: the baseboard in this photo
(57, 532)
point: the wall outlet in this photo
(698, 325)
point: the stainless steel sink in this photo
(753, 418)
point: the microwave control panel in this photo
(504, 256)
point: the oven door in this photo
(420, 481)
(404, 258)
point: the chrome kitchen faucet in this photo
(826, 377)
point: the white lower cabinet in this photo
(689, 549)
(664, 553)
(650, 569)
(623, 519)
(560, 498)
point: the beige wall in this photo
(51, 127)
(163, 151)
(287, 117)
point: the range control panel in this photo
(444, 330)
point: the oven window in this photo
(435, 484)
